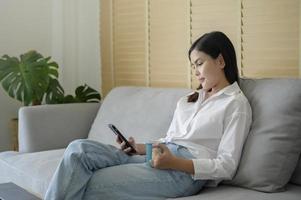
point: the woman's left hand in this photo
(165, 160)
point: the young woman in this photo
(202, 147)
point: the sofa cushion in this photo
(144, 113)
(226, 192)
(273, 146)
(32, 171)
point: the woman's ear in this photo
(221, 61)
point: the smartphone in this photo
(118, 133)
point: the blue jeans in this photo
(92, 170)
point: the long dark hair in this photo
(214, 44)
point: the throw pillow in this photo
(273, 146)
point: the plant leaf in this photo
(27, 79)
(55, 92)
(70, 99)
(85, 93)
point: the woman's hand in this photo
(140, 148)
(165, 159)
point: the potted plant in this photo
(33, 80)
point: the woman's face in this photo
(209, 72)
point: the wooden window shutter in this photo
(216, 15)
(129, 42)
(169, 43)
(270, 38)
(107, 76)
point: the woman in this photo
(202, 147)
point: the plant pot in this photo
(13, 125)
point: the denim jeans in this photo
(92, 170)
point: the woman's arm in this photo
(140, 148)
(224, 165)
(184, 165)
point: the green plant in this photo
(33, 79)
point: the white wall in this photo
(67, 30)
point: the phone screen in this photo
(119, 134)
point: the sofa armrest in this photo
(48, 127)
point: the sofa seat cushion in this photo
(225, 192)
(32, 171)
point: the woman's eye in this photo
(196, 65)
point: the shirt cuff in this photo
(202, 169)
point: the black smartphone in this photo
(118, 133)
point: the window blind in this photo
(145, 42)
(107, 76)
(270, 38)
(129, 42)
(216, 15)
(169, 42)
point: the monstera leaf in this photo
(27, 79)
(55, 92)
(83, 93)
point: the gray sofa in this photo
(269, 167)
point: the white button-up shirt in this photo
(214, 131)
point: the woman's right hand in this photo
(140, 148)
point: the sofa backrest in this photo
(144, 113)
(271, 151)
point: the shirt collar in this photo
(228, 90)
(231, 89)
